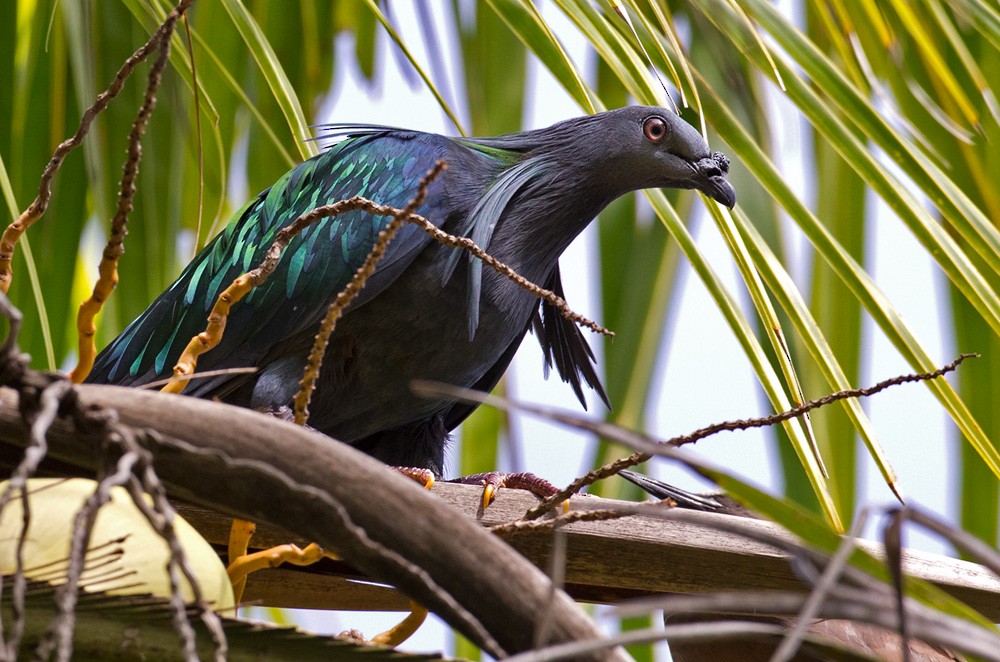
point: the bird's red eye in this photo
(655, 129)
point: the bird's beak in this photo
(711, 179)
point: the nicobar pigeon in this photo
(429, 311)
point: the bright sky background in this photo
(707, 378)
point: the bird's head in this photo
(641, 147)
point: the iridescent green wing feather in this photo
(382, 165)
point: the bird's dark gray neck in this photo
(544, 221)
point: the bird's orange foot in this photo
(494, 480)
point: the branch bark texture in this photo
(266, 470)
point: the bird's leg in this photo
(494, 480)
(491, 482)
(242, 563)
(242, 530)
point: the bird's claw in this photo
(423, 476)
(489, 494)
(492, 481)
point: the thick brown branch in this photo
(307, 484)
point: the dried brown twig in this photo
(311, 373)
(523, 525)
(206, 340)
(648, 444)
(115, 248)
(465, 243)
(48, 395)
(243, 284)
(634, 459)
(35, 210)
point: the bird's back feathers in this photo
(384, 166)
(376, 162)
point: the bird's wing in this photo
(382, 165)
(565, 347)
